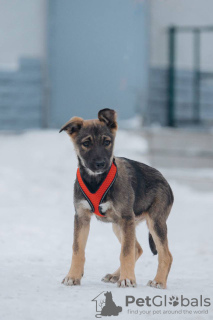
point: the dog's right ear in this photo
(72, 126)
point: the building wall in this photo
(22, 55)
(98, 57)
(163, 14)
(109, 36)
(23, 31)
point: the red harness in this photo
(95, 199)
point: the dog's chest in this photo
(106, 209)
(108, 212)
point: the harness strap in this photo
(95, 199)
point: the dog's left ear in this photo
(108, 116)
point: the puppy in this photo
(117, 190)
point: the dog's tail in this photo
(152, 244)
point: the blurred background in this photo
(151, 61)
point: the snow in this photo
(37, 172)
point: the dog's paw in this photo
(123, 283)
(155, 284)
(110, 278)
(71, 281)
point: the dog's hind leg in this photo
(158, 229)
(114, 277)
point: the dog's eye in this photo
(86, 143)
(107, 142)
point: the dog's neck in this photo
(92, 181)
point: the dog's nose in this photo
(100, 164)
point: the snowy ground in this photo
(37, 171)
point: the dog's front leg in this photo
(127, 256)
(81, 232)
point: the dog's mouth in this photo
(94, 172)
(96, 167)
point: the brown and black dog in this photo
(139, 193)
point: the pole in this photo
(196, 78)
(171, 78)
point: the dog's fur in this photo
(139, 193)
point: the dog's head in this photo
(94, 140)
